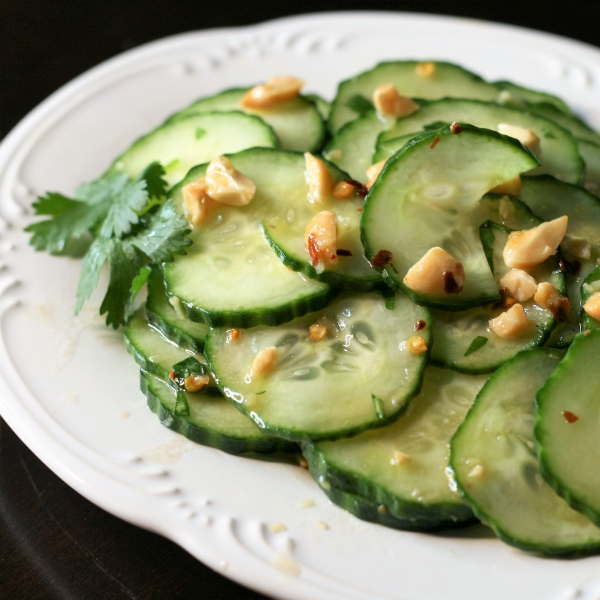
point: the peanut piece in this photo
(547, 296)
(525, 136)
(227, 185)
(511, 187)
(320, 239)
(416, 344)
(317, 332)
(264, 361)
(520, 285)
(343, 190)
(389, 103)
(437, 273)
(579, 248)
(510, 324)
(592, 306)
(318, 177)
(196, 201)
(277, 91)
(425, 70)
(194, 383)
(373, 172)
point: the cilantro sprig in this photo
(129, 223)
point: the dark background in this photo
(54, 543)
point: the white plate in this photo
(67, 383)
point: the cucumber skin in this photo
(144, 363)
(183, 340)
(571, 499)
(411, 515)
(206, 437)
(332, 278)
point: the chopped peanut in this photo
(426, 69)
(320, 239)
(520, 285)
(343, 190)
(318, 177)
(512, 187)
(506, 209)
(196, 200)
(317, 332)
(547, 296)
(227, 185)
(531, 247)
(510, 324)
(400, 458)
(194, 383)
(437, 273)
(373, 172)
(592, 306)
(264, 361)
(525, 136)
(476, 472)
(233, 334)
(389, 103)
(277, 91)
(417, 344)
(579, 248)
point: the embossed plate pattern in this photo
(69, 390)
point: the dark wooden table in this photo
(53, 542)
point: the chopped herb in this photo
(182, 408)
(359, 104)
(261, 393)
(479, 342)
(548, 134)
(378, 404)
(389, 299)
(200, 132)
(186, 368)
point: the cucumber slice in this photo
(297, 123)
(181, 144)
(212, 421)
(448, 80)
(417, 491)
(559, 156)
(285, 233)
(360, 375)
(428, 197)
(454, 333)
(230, 275)
(550, 199)
(567, 427)
(590, 152)
(387, 148)
(571, 123)
(174, 326)
(590, 286)
(151, 350)
(495, 465)
(523, 97)
(322, 105)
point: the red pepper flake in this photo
(360, 188)
(561, 310)
(172, 375)
(569, 266)
(569, 416)
(342, 252)
(420, 324)
(359, 209)
(450, 284)
(382, 258)
(436, 139)
(455, 128)
(313, 250)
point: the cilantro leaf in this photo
(139, 280)
(166, 233)
(124, 208)
(53, 204)
(102, 189)
(153, 175)
(125, 263)
(182, 408)
(479, 342)
(90, 270)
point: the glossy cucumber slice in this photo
(495, 465)
(567, 427)
(417, 489)
(212, 421)
(590, 286)
(174, 326)
(285, 232)
(448, 80)
(550, 199)
(230, 275)
(590, 152)
(360, 375)
(569, 122)
(427, 197)
(464, 340)
(559, 155)
(322, 105)
(297, 123)
(179, 145)
(522, 97)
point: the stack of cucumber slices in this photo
(407, 407)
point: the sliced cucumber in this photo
(322, 105)
(212, 421)
(494, 462)
(567, 427)
(181, 144)
(590, 152)
(416, 490)
(455, 333)
(427, 197)
(174, 326)
(297, 123)
(550, 199)
(590, 286)
(523, 97)
(569, 122)
(447, 80)
(360, 375)
(230, 275)
(559, 156)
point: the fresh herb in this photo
(378, 404)
(389, 299)
(479, 342)
(188, 367)
(132, 225)
(182, 408)
(359, 104)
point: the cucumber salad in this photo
(399, 290)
